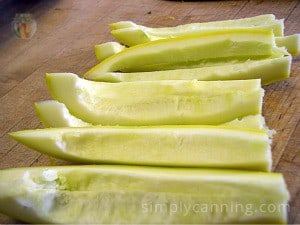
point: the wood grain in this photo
(68, 30)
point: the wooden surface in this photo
(66, 34)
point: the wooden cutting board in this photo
(64, 40)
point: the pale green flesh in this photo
(55, 114)
(192, 146)
(105, 50)
(132, 34)
(250, 21)
(125, 194)
(268, 70)
(122, 24)
(291, 43)
(156, 102)
(248, 122)
(180, 52)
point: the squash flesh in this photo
(132, 34)
(125, 194)
(268, 70)
(156, 102)
(291, 43)
(105, 50)
(178, 52)
(55, 114)
(189, 146)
